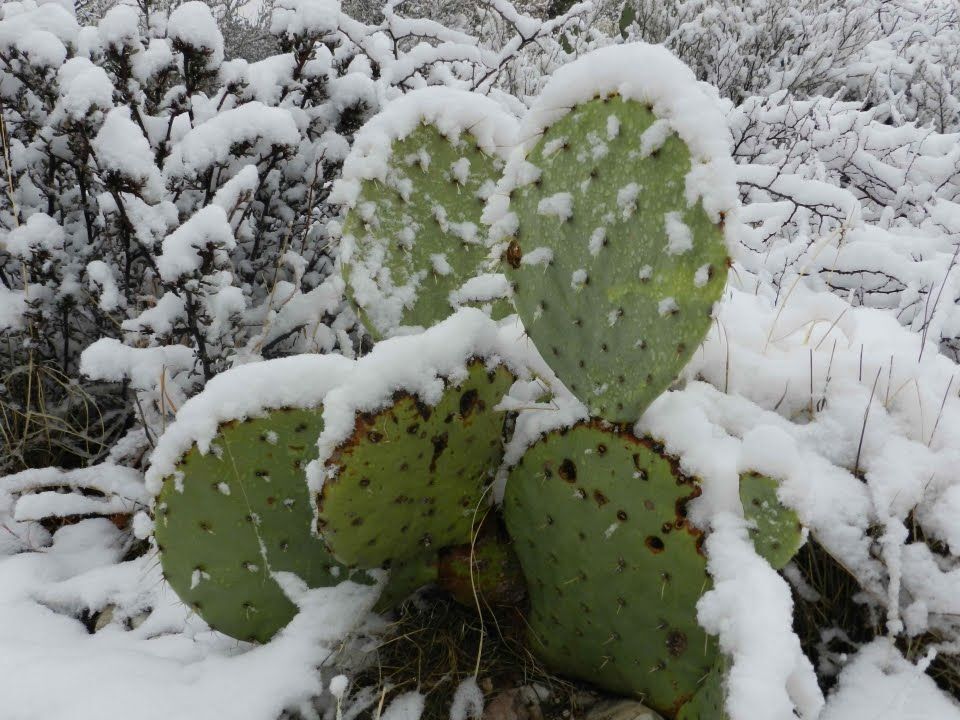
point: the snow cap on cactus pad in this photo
(415, 183)
(236, 510)
(246, 391)
(613, 567)
(615, 240)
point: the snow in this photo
(467, 700)
(193, 26)
(558, 205)
(83, 87)
(121, 148)
(183, 249)
(879, 682)
(679, 236)
(210, 143)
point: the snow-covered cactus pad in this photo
(777, 532)
(410, 445)
(409, 479)
(415, 183)
(235, 508)
(614, 569)
(613, 219)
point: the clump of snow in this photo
(192, 25)
(627, 199)
(679, 236)
(121, 148)
(408, 706)
(558, 205)
(84, 87)
(313, 18)
(484, 288)
(40, 234)
(210, 143)
(467, 700)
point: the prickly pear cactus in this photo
(615, 269)
(777, 533)
(409, 480)
(613, 568)
(225, 520)
(413, 246)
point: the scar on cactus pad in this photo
(409, 479)
(615, 270)
(614, 569)
(418, 178)
(228, 518)
(777, 533)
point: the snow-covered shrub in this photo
(166, 211)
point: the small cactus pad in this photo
(409, 479)
(614, 569)
(494, 577)
(416, 238)
(228, 518)
(615, 275)
(777, 533)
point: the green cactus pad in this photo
(417, 237)
(707, 702)
(615, 276)
(778, 533)
(407, 482)
(613, 567)
(494, 575)
(228, 518)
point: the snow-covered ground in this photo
(171, 218)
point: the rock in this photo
(520, 703)
(621, 710)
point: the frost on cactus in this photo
(227, 519)
(776, 533)
(616, 237)
(416, 183)
(409, 479)
(613, 567)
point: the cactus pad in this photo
(408, 480)
(227, 519)
(615, 276)
(412, 241)
(777, 534)
(613, 567)
(494, 575)
(707, 702)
